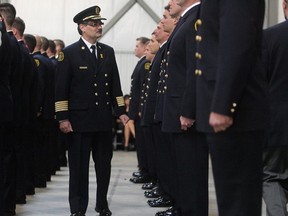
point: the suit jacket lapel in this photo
(100, 57)
(87, 55)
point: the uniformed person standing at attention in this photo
(87, 88)
(6, 105)
(275, 160)
(231, 100)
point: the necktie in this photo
(93, 47)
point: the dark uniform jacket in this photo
(181, 61)
(85, 93)
(29, 87)
(148, 116)
(46, 90)
(6, 107)
(137, 80)
(275, 54)
(16, 78)
(230, 77)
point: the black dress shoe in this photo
(78, 214)
(149, 186)
(140, 179)
(170, 212)
(153, 193)
(160, 202)
(104, 212)
(136, 174)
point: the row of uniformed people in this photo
(170, 179)
(229, 102)
(29, 140)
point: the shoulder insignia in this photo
(37, 62)
(101, 55)
(147, 66)
(61, 56)
(197, 23)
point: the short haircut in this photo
(8, 15)
(52, 46)
(45, 43)
(19, 24)
(143, 40)
(10, 7)
(60, 43)
(30, 41)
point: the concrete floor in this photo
(125, 198)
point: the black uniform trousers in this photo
(1, 171)
(166, 166)
(11, 137)
(141, 149)
(149, 142)
(79, 147)
(191, 156)
(237, 168)
(275, 180)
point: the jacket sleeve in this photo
(240, 28)
(62, 85)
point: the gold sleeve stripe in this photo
(120, 101)
(61, 106)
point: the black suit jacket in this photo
(275, 54)
(6, 105)
(16, 78)
(148, 115)
(85, 93)
(181, 62)
(137, 88)
(230, 76)
(46, 90)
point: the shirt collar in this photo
(187, 9)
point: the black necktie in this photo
(93, 47)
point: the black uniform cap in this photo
(88, 14)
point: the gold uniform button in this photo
(107, 93)
(198, 72)
(198, 55)
(106, 84)
(198, 38)
(168, 53)
(166, 75)
(165, 87)
(96, 103)
(232, 110)
(108, 103)
(96, 94)
(106, 75)
(95, 84)
(234, 105)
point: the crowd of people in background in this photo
(32, 148)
